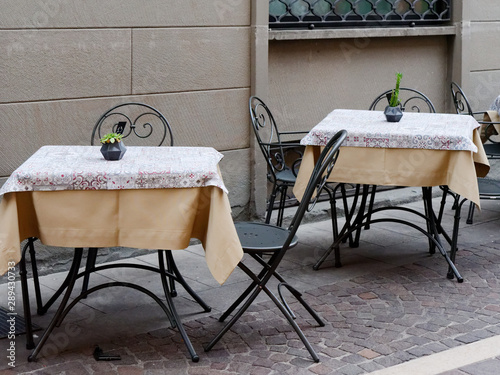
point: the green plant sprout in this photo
(111, 138)
(394, 102)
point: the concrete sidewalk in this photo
(389, 310)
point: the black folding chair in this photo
(488, 188)
(258, 239)
(140, 124)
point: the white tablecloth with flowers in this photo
(430, 131)
(423, 149)
(84, 168)
(153, 198)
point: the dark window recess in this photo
(297, 14)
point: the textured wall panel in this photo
(309, 79)
(484, 10)
(236, 172)
(166, 60)
(485, 87)
(53, 64)
(211, 118)
(122, 13)
(484, 46)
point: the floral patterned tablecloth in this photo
(84, 168)
(432, 131)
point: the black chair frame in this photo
(137, 122)
(410, 103)
(259, 238)
(275, 149)
(414, 101)
(488, 188)
(463, 107)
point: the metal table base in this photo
(433, 231)
(168, 276)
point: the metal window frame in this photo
(410, 18)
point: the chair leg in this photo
(347, 212)
(333, 208)
(470, 216)
(362, 208)
(443, 203)
(237, 302)
(370, 206)
(281, 210)
(249, 289)
(34, 270)
(428, 211)
(266, 266)
(293, 324)
(257, 289)
(233, 320)
(299, 298)
(30, 344)
(270, 204)
(333, 211)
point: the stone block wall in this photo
(65, 62)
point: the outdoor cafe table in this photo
(423, 149)
(153, 198)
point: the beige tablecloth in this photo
(153, 198)
(145, 219)
(490, 116)
(403, 167)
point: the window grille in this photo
(294, 14)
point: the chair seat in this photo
(262, 237)
(488, 187)
(492, 149)
(286, 176)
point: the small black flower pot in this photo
(393, 114)
(113, 151)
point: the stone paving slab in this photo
(373, 321)
(384, 317)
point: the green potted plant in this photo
(393, 112)
(112, 146)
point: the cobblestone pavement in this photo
(381, 317)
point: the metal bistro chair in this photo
(140, 124)
(488, 188)
(463, 107)
(411, 100)
(258, 239)
(275, 151)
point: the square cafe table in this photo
(423, 149)
(153, 198)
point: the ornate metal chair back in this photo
(411, 100)
(140, 124)
(460, 101)
(268, 136)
